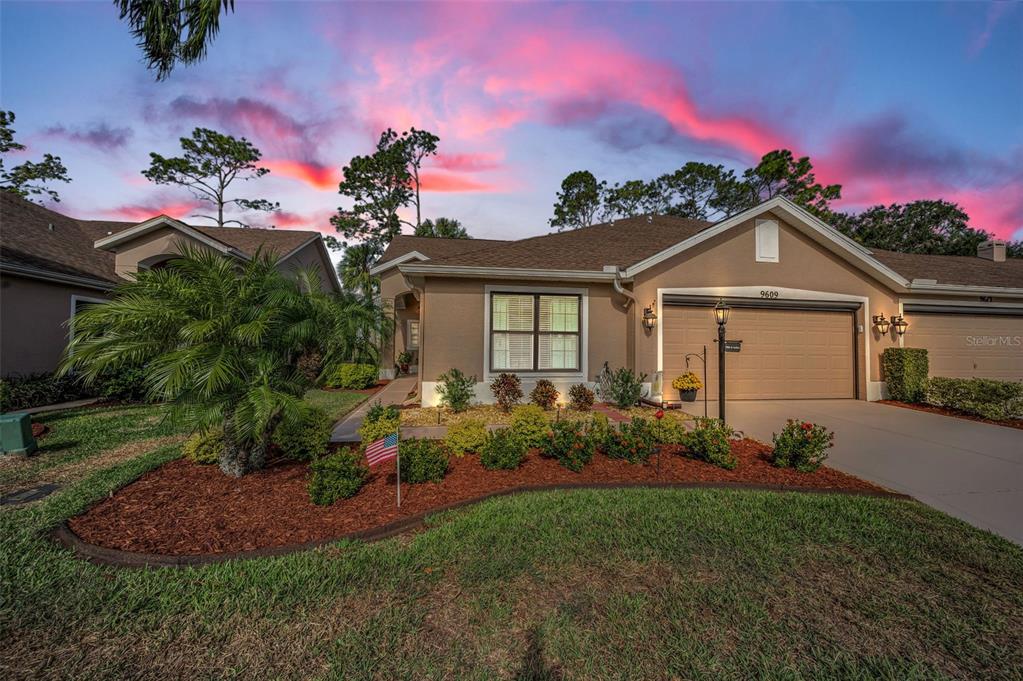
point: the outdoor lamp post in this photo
(900, 324)
(721, 316)
(881, 323)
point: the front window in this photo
(413, 334)
(534, 332)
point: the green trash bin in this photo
(16, 434)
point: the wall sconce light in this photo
(900, 324)
(881, 323)
(649, 317)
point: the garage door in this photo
(967, 346)
(786, 353)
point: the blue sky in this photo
(895, 101)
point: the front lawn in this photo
(337, 403)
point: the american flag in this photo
(383, 449)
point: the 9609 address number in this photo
(768, 294)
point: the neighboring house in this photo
(51, 264)
(803, 299)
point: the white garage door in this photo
(786, 353)
(967, 346)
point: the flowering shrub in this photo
(530, 423)
(802, 445)
(456, 389)
(633, 441)
(544, 395)
(466, 436)
(570, 444)
(620, 387)
(507, 389)
(580, 397)
(710, 441)
(687, 381)
(503, 449)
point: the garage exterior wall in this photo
(969, 346)
(804, 269)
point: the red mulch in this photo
(186, 509)
(39, 430)
(955, 413)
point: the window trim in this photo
(582, 334)
(408, 333)
(75, 299)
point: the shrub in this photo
(38, 390)
(371, 431)
(422, 461)
(905, 372)
(802, 445)
(599, 427)
(466, 436)
(544, 394)
(353, 377)
(620, 387)
(633, 441)
(378, 412)
(338, 476)
(530, 423)
(710, 441)
(204, 447)
(456, 389)
(306, 436)
(998, 400)
(668, 430)
(570, 444)
(507, 389)
(503, 449)
(580, 397)
(127, 384)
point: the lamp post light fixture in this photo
(881, 323)
(900, 324)
(721, 317)
(649, 317)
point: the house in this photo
(51, 264)
(812, 308)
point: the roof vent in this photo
(992, 250)
(50, 226)
(649, 218)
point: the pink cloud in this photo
(312, 173)
(318, 221)
(467, 162)
(433, 181)
(140, 212)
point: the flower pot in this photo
(687, 395)
(404, 368)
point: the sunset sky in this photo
(894, 101)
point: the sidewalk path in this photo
(394, 392)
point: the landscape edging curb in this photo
(100, 555)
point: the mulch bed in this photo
(185, 509)
(39, 430)
(955, 413)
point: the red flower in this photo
(807, 425)
(659, 414)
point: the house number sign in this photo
(769, 294)
(733, 346)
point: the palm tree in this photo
(218, 339)
(353, 270)
(174, 31)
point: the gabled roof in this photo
(954, 270)
(32, 236)
(404, 248)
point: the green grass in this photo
(700, 584)
(337, 403)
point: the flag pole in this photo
(397, 438)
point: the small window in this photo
(534, 332)
(767, 240)
(413, 334)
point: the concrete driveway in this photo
(971, 470)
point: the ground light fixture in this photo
(881, 323)
(649, 317)
(721, 317)
(900, 324)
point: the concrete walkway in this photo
(971, 470)
(394, 392)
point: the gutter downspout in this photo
(617, 283)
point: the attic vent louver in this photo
(49, 227)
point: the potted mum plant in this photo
(687, 384)
(404, 358)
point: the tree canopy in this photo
(381, 183)
(445, 228)
(210, 162)
(173, 31)
(579, 201)
(28, 178)
(353, 270)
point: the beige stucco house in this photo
(51, 264)
(805, 302)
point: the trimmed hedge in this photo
(353, 377)
(905, 371)
(998, 400)
(530, 423)
(422, 461)
(504, 449)
(305, 437)
(338, 476)
(467, 436)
